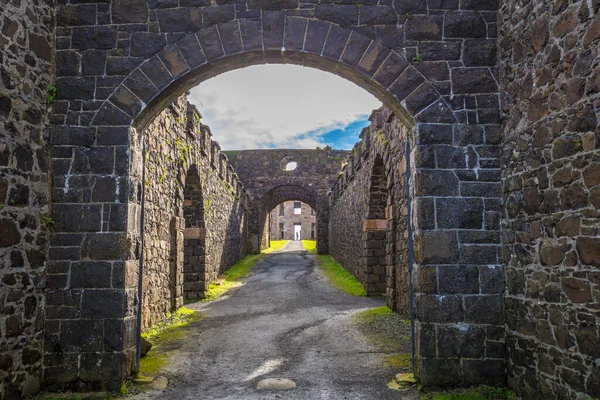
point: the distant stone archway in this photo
(120, 70)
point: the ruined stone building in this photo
(471, 201)
(293, 220)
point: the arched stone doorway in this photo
(409, 56)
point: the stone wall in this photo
(307, 220)
(550, 77)
(26, 34)
(176, 141)
(268, 184)
(368, 226)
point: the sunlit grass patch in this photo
(475, 393)
(365, 317)
(339, 277)
(230, 279)
(162, 336)
(310, 245)
(275, 245)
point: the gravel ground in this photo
(286, 321)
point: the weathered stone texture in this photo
(550, 165)
(268, 184)
(283, 218)
(26, 34)
(368, 223)
(176, 141)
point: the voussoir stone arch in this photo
(432, 63)
(323, 45)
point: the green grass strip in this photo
(230, 279)
(164, 333)
(310, 245)
(275, 245)
(339, 277)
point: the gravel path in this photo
(286, 321)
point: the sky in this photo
(283, 106)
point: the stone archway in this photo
(139, 56)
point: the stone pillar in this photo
(458, 277)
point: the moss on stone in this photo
(230, 279)
(339, 277)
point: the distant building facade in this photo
(293, 220)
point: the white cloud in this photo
(284, 106)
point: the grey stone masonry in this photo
(268, 184)
(195, 214)
(433, 63)
(550, 73)
(26, 41)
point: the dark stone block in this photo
(77, 217)
(273, 23)
(129, 11)
(491, 5)
(218, 15)
(377, 15)
(484, 372)
(373, 58)
(409, 7)
(295, 28)
(18, 196)
(479, 254)
(464, 24)
(272, 4)
(109, 115)
(67, 64)
(426, 213)
(420, 98)
(443, 4)
(104, 190)
(126, 101)
(486, 309)
(480, 53)
(106, 246)
(336, 42)
(438, 112)
(458, 280)
(251, 34)
(392, 67)
(473, 80)
(424, 27)
(438, 51)
(355, 49)
(481, 189)
(179, 20)
(145, 44)
(92, 274)
(191, 51)
(81, 336)
(439, 309)
(436, 183)
(173, 60)
(104, 303)
(74, 15)
(139, 84)
(459, 213)
(436, 247)
(100, 37)
(211, 43)
(94, 62)
(70, 88)
(343, 15)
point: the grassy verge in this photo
(230, 279)
(162, 336)
(339, 277)
(275, 245)
(476, 393)
(310, 245)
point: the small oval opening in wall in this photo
(290, 166)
